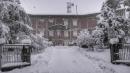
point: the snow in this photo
(103, 61)
(85, 37)
(64, 59)
(114, 40)
(14, 64)
(38, 41)
(97, 33)
(126, 61)
(127, 39)
(10, 3)
(2, 40)
(26, 41)
(5, 28)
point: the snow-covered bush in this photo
(85, 38)
(39, 42)
(97, 35)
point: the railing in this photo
(120, 53)
(15, 55)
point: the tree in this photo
(16, 27)
(13, 16)
(126, 2)
(113, 26)
(113, 3)
(105, 20)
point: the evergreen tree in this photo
(113, 3)
(113, 26)
(13, 16)
(16, 27)
(105, 20)
(126, 2)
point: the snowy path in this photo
(70, 60)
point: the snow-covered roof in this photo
(16, 44)
(89, 14)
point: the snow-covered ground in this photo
(65, 59)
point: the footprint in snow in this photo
(107, 69)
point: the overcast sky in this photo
(59, 6)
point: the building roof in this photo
(62, 15)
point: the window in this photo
(75, 22)
(58, 32)
(66, 34)
(65, 22)
(51, 20)
(41, 20)
(51, 33)
(75, 33)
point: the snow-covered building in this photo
(62, 29)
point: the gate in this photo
(120, 53)
(14, 56)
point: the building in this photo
(62, 29)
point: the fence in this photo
(14, 55)
(120, 53)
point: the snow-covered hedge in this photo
(39, 42)
(93, 40)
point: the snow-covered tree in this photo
(105, 17)
(126, 2)
(113, 26)
(113, 3)
(16, 27)
(14, 19)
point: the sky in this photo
(60, 6)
